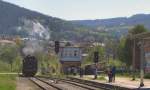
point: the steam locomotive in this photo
(30, 65)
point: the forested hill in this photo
(133, 20)
(15, 20)
(117, 26)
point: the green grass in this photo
(7, 82)
(101, 78)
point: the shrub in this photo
(147, 76)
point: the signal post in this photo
(96, 59)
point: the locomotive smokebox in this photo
(30, 66)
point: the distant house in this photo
(98, 44)
(70, 58)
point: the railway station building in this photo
(70, 58)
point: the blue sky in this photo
(86, 9)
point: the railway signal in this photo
(57, 47)
(96, 56)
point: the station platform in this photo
(121, 82)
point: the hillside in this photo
(117, 26)
(133, 20)
(15, 20)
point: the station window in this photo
(75, 53)
(70, 54)
(62, 54)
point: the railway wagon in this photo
(30, 66)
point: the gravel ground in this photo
(66, 86)
(25, 84)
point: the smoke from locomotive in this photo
(30, 62)
(30, 65)
(33, 45)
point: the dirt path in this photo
(25, 84)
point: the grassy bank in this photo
(7, 82)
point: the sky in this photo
(86, 9)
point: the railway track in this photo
(85, 84)
(72, 84)
(65, 84)
(87, 87)
(102, 86)
(43, 84)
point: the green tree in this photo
(137, 29)
(46, 61)
(17, 63)
(89, 58)
(116, 63)
(111, 46)
(9, 54)
(125, 51)
(121, 48)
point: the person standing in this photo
(95, 73)
(81, 72)
(109, 72)
(113, 73)
(74, 71)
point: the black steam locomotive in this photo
(30, 65)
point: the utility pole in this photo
(96, 59)
(133, 60)
(142, 63)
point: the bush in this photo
(4, 67)
(147, 76)
(116, 63)
(9, 58)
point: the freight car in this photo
(30, 65)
